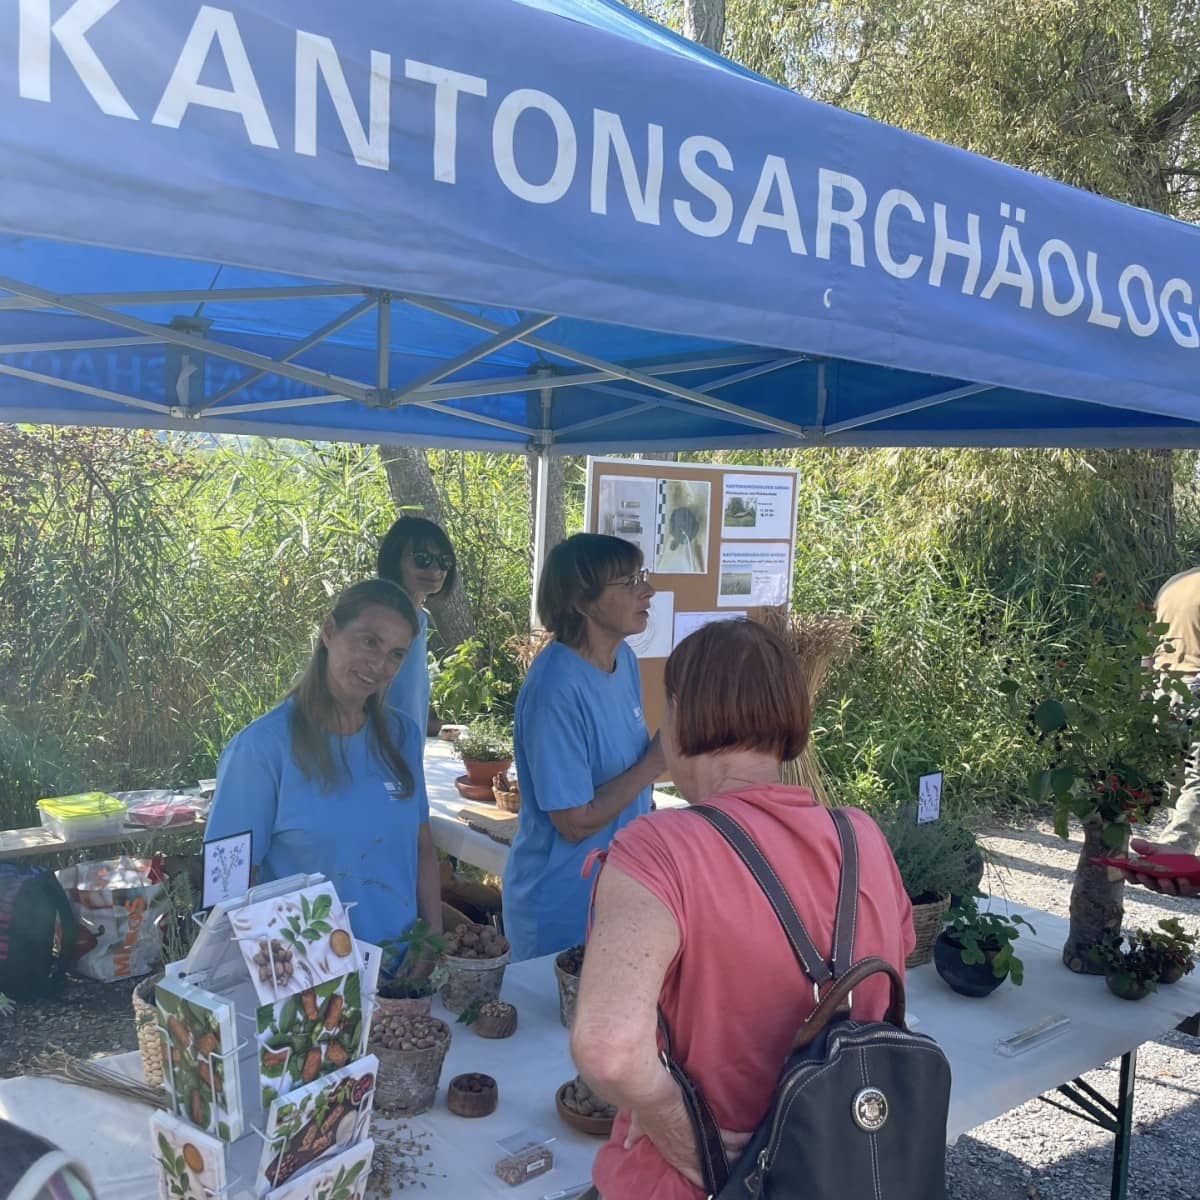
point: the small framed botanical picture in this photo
(227, 864)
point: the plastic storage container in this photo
(87, 815)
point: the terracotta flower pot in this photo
(482, 773)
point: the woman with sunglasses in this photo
(584, 758)
(416, 555)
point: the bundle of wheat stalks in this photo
(818, 642)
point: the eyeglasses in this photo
(631, 582)
(424, 561)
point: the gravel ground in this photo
(1036, 1152)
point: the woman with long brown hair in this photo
(330, 780)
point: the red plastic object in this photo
(1164, 865)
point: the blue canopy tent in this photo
(547, 225)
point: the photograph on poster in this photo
(682, 543)
(757, 506)
(628, 508)
(655, 640)
(689, 622)
(753, 573)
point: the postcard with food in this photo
(341, 1178)
(310, 1034)
(316, 1122)
(199, 1043)
(295, 941)
(191, 1164)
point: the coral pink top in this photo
(735, 995)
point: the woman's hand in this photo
(674, 1138)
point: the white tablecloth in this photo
(450, 832)
(112, 1136)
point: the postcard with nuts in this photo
(316, 1122)
(310, 1034)
(295, 941)
(341, 1178)
(191, 1165)
(199, 1045)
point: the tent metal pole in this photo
(85, 390)
(383, 342)
(629, 374)
(883, 414)
(318, 379)
(541, 514)
(186, 296)
(319, 335)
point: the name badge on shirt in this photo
(394, 790)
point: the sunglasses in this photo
(424, 561)
(631, 582)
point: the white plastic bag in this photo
(117, 903)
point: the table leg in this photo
(1117, 1119)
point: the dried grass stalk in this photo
(818, 640)
(56, 1063)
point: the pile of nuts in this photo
(474, 1083)
(581, 1099)
(495, 1008)
(279, 955)
(407, 1033)
(476, 941)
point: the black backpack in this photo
(37, 933)
(859, 1112)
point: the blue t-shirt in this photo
(409, 690)
(576, 728)
(362, 835)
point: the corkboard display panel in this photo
(717, 539)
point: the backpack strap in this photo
(812, 963)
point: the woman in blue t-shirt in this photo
(416, 555)
(584, 759)
(330, 780)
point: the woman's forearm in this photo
(611, 798)
(429, 883)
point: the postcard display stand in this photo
(264, 1031)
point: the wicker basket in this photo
(145, 1019)
(507, 793)
(928, 920)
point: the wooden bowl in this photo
(596, 1126)
(464, 1101)
(501, 1025)
(474, 791)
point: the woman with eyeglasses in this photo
(330, 780)
(416, 555)
(584, 759)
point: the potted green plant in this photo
(935, 858)
(485, 748)
(421, 971)
(974, 952)
(1130, 970)
(1171, 947)
(1109, 737)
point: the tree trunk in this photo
(411, 485)
(704, 22)
(1097, 903)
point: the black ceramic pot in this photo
(967, 979)
(1122, 984)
